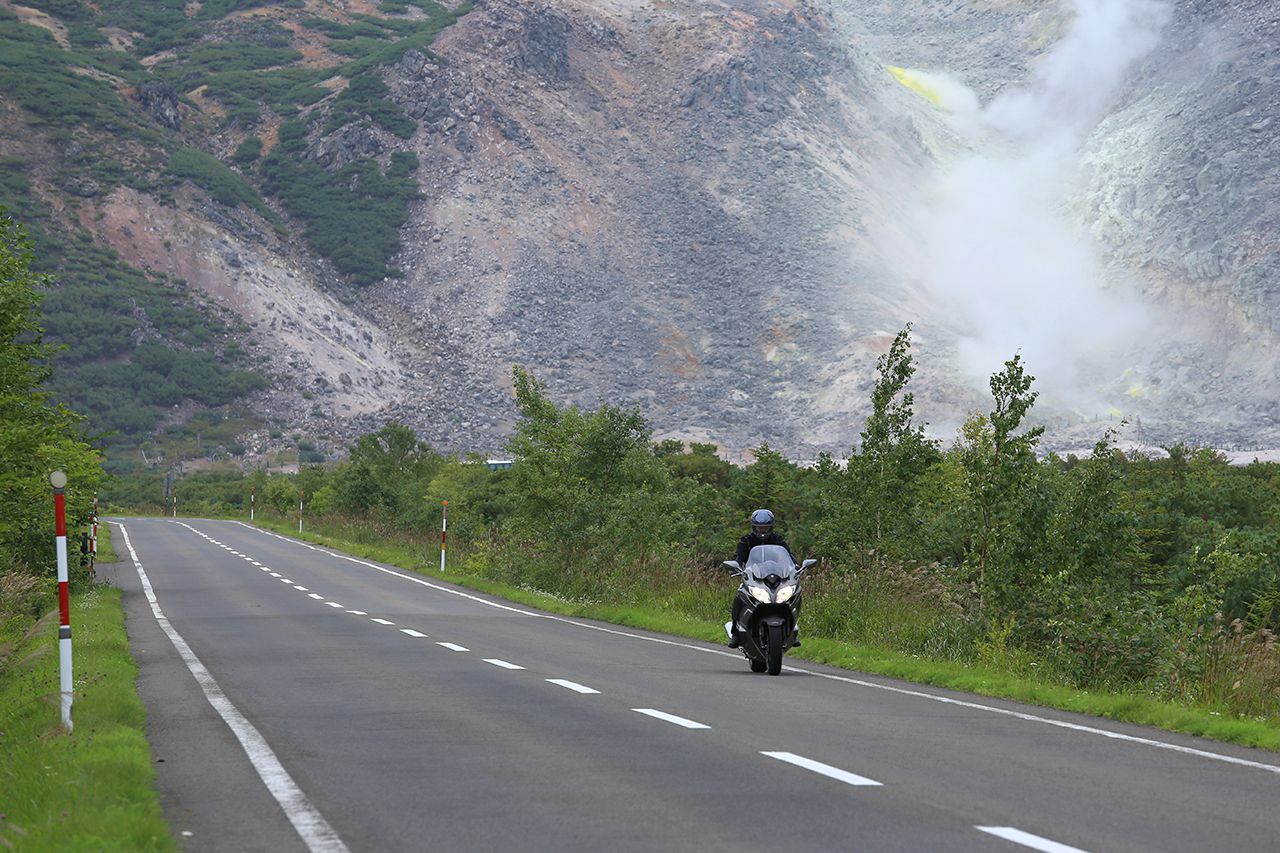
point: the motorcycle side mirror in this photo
(732, 565)
(806, 564)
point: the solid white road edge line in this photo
(670, 718)
(572, 685)
(825, 769)
(1026, 839)
(306, 819)
(920, 694)
(502, 663)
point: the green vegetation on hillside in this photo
(38, 73)
(94, 307)
(220, 182)
(223, 70)
(353, 214)
(248, 152)
(365, 96)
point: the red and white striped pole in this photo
(93, 538)
(444, 527)
(253, 496)
(299, 512)
(175, 504)
(58, 479)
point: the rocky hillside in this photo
(719, 211)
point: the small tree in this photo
(1000, 471)
(871, 506)
(1093, 534)
(586, 482)
(36, 437)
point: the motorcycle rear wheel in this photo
(774, 650)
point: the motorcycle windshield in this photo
(765, 560)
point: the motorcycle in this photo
(770, 605)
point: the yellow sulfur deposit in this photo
(915, 83)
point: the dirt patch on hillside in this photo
(44, 21)
(341, 359)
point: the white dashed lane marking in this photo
(670, 718)
(411, 632)
(1026, 839)
(382, 621)
(573, 685)
(454, 647)
(823, 769)
(502, 663)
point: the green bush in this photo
(209, 173)
(364, 96)
(248, 151)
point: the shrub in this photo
(208, 173)
(248, 151)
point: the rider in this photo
(762, 533)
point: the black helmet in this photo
(762, 522)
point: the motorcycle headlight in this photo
(785, 592)
(759, 593)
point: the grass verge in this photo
(106, 553)
(1122, 707)
(93, 789)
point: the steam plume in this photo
(1002, 252)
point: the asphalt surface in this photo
(391, 740)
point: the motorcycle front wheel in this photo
(758, 665)
(774, 651)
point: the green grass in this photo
(93, 789)
(1123, 707)
(106, 553)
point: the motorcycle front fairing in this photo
(770, 592)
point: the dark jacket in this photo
(752, 539)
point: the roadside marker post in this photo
(93, 538)
(299, 512)
(444, 527)
(253, 496)
(58, 479)
(175, 504)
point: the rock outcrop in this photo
(160, 101)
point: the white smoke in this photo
(1001, 251)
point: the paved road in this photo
(402, 713)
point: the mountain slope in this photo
(718, 211)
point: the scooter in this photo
(770, 605)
